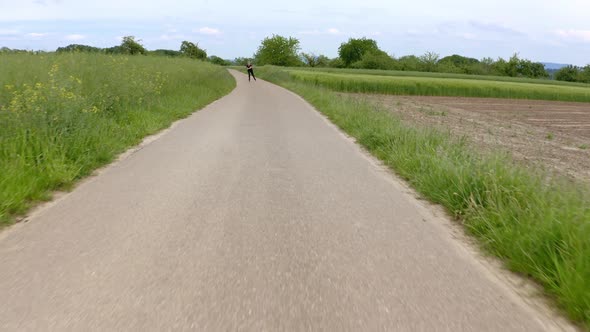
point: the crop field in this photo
(62, 116)
(400, 73)
(346, 81)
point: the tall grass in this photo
(62, 116)
(431, 86)
(539, 227)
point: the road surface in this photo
(254, 214)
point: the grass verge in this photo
(347, 81)
(539, 228)
(62, 116)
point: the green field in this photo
(400, 73)
(428, 85)
(62, 116)
(538, 225)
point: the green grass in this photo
(435, 86)
(62, 116)
(400, 73)
(539, 227)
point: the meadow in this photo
(537, 224)
(429, 84)
(62, 116)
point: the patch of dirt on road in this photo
(552, 135)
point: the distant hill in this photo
(554, 66)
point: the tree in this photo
(309, 59)
(568, 74)
(532, 69)
(353, 50)
(584, 75)
(486, 66)
(376, 60)
(131, 46)
(458, 60)
(322, 61)
(114, 50)
(241, 61)
(409, 63)
(429, 60)
(313, 60)
(219, 61)
(499, 67)
(511, 67)
(163, 52)
(336, 63)
(192, 50)
(78, 48)
(279, 51)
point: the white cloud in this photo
(37, 34)
(310, 32)
(331, 31)
(209, 31)
(575, 35)
(74, 37)
(172, 37)
(468, 35)
(9, 32)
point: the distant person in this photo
(250, 71)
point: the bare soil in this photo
(552, 135)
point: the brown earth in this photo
(552, 135)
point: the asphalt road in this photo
(254, 214)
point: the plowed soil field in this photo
(551, 135)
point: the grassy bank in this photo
(62, 116)
(434, 86)
(539, 228)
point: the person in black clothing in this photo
(250, 71)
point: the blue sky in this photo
(541, 30)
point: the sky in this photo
(540, 30)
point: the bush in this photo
(79, 48)
(169, 53)
(131, 46)
(219, 61)
(354, 50)
(409, 63)
(192, 50)
(336, 63)
(375, 60)
(279, 51)
(568, 74)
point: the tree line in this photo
(359, 53)
(130, 45)
(364, 53)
